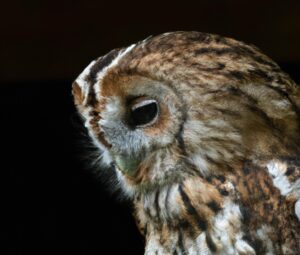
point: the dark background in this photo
(50, 202)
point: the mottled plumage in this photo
(203, 133)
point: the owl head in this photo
(182, 104)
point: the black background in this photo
(51, 202)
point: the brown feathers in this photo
(204, 134)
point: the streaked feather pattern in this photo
(204, 135)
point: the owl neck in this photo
(224, 214)
(186, 218)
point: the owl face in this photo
(182, 104)
(135, 122)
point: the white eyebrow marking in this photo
(81, 79)
(83, 84)
(104, 71)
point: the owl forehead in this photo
(198, 60)
(88, 83)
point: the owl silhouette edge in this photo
(203, 134)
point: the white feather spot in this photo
(297, 209)
(200, 163)
(277, 171)
(227, 232)
(243, 247)
(262, 233)
(82, 82)
(202, 245)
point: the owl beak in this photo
(127, 164)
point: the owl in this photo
(203, 133)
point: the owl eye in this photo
(143, 112)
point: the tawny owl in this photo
(204, 135)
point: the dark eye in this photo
(143, 112)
